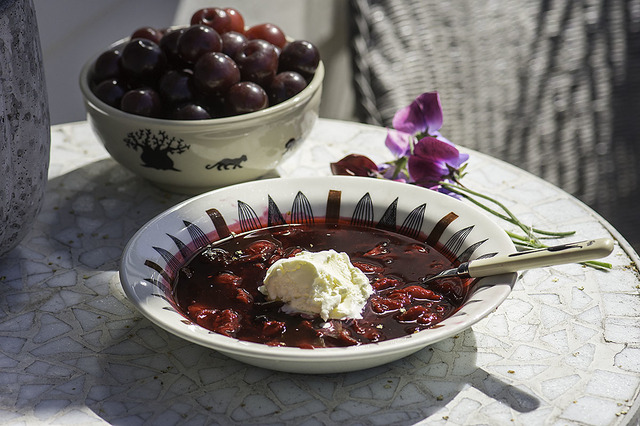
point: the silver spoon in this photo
(538, 258)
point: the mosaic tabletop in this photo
(563, 349)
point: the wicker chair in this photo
(553, 87)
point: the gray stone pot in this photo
(24, 122)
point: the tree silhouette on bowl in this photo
(156, 148)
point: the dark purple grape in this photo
(245, 97)
(285, 85)
(143, 60)
(196, 41)
(237, 20)
(188, 73)
(258, 62)
(190, 111)
(214, 17)
(215, 73)
(110, 92)
(214, 104)
(169, 45)
(142, 102)
(176, 87)
(148, 33)
(107, 65)
(232, 42)
(300, 56)
(269, 32)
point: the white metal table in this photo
(564, 348)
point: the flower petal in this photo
(431, 111)
(425, 172)
(462, 158)
(355, 165)
(439, 136)
(398, 142)
(409, 119)
(428, 164)
(436, 149)
(424, 114)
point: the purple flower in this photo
(394, 171)
(399, 143)
(434, 160)
(422, 116)
(426, 162)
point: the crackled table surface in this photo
(564, 348)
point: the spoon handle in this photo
(540, 258)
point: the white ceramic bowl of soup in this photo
(160, 248)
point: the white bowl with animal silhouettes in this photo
(194, 156)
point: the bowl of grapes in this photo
(205, 105)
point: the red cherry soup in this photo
(218, 287)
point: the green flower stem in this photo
(524, 241)
(597, 264)
(509, 217)
(529, 241)
(400, 165)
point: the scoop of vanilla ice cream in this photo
(324, 283)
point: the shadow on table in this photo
(97, 210)
(128, 371)
(155, 378)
